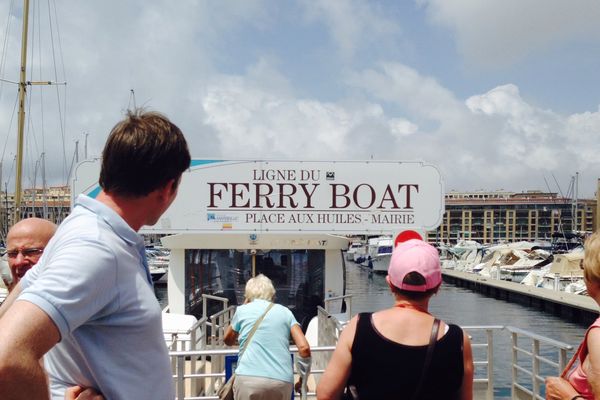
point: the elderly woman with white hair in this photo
(264, 370)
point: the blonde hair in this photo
(591, 260)
(259, 287)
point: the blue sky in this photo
(501, 94)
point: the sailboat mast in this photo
(576, 196)
(21, 119)
(44, 188)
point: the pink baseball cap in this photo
(415, 256)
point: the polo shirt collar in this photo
(114, 220)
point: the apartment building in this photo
(490, 217)
(53, 203)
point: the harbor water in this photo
(462, 307)
(465, 308)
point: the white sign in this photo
(347, 197)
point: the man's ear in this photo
(166, 191)
(174, 184)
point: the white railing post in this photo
(193, 384)
(514, 343)
(562, 359)
(180, 377)
(490, 365)
(535, 350)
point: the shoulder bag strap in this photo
(432, 340)
(254, 328)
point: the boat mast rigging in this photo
(23, 83)
(21, 117)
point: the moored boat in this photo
(379, 251)
(306, 269)
(353, 249)
(464, 255)
(564, 272)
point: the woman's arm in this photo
(332, 383)
(230, 336)
(300, 341)
(558, 388)
(466, 389)
(593, 365)
(303, 361)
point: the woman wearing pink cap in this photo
(403, 351)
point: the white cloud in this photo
(582, 134)
(500, 32)
(254, 122)
(398, 83)
(164, 52)
(505, 101)
(351, 23)
(181, 60)
(495, 139)
(402, 127)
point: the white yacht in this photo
(463, 256)
(563, 274)
(306, 269)
(353, 249)
(379, 252)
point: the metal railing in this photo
(482, 343)
(204, 337)
(331, 302)
(200, 371)
(536, 364)
(208, 390)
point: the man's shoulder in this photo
(83, 235)
(82, 224)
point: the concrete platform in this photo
(575, 307)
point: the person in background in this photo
(88, 306)
(5, 275)
(265, 368)
(583, 382)
(25, 243)
(381, 355)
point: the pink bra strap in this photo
(582, 349)
(565, 372)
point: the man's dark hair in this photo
(143, 153)
(415, 279)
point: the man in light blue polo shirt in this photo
(88, 306)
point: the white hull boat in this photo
(379, 252)
(353, 249)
